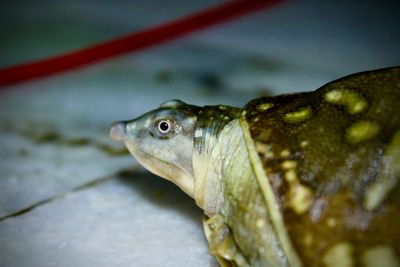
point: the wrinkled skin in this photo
(307, 179)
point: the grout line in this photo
(62, 195)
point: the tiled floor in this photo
(69, 196)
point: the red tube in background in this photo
(133, 42)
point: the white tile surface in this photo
(132, 221)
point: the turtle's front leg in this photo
(222, 244)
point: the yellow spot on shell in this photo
(300, 198)
(339, 255)
(262, 148)
(265, 106)
(331, 222)
(353, 101)
(289, 164)
(388, 176)
(304, 143)
(382, 256)
(269, 154)
(362, 131)
(285, 153)
(378, 191)
(221, 107)
(298, 116)
(291, 176)
(308, 239)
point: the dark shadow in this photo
(161, 192)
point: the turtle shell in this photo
(330, 163)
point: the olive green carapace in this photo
(332, 158)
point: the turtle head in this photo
(176, 141)
(162, 141)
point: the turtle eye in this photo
(164, 127)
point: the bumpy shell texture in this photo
(332, 157)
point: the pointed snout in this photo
(118, 130)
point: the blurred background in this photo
(69, 196)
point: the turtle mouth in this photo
(149, 161)
(162, 168)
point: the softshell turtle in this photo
(304, 179)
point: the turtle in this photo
(301, 179)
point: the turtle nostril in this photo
(118, 130)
